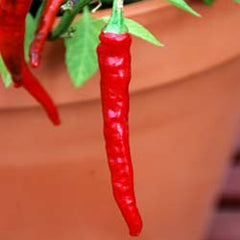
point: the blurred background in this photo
(226, 221)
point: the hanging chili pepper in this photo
(12, 31)
(45, 26)
(115, 68)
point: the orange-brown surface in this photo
(54, 182)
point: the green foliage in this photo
(6, 77)
(138, 30)
(31, 25)
(237, 1)
(208, 2)
(81, 57)
(184, 6)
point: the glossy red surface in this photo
(115, 67)
(12, 30)
(184, 119)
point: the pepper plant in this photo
(81, 35)
(22, 40)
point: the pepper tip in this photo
(136, 229)
(34, 60)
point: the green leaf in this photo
(184, 6)
(237, 1)
(138, 30)
(208, 2)
(81, 57)
(5, 75)
(31, 26)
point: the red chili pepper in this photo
(12, 31)
(114, 62)
(46, 22)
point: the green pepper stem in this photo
(116, 21)
(67, 19)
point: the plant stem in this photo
(116, 21)
(208, 2)
(67, 19)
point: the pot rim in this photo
(138, 11)
(133, 9)
(136, 8)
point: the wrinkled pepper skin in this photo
(115, 68)
(12, 31)
(45, 26)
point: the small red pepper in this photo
(115, 67)
(12, 31)
(45, 26)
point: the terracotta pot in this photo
(185, 110)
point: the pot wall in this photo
(192, 45)
(55, 183)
